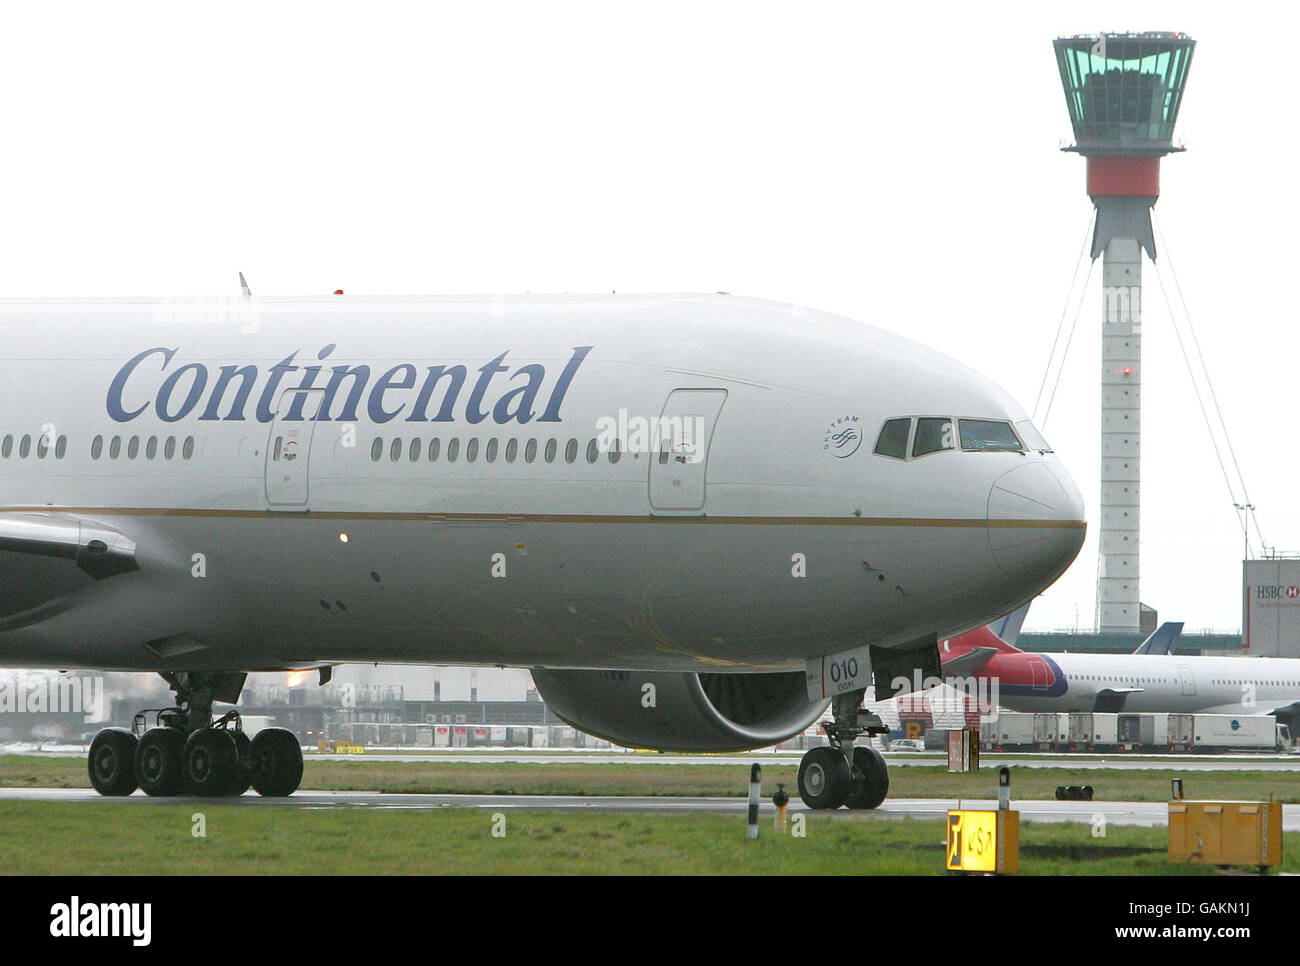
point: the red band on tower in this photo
(1126, 176)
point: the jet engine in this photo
(681, 711)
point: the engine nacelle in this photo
(681, 711)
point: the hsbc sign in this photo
(1270, 613)
(1277, 592)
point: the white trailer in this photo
(1230, 732)
(1051, 729)
(1089, 730)
(1012, 730)
(1182, 731)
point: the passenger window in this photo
(414, 452)
(395, 450)
(96, 446)
(530, 451)
(988, 435)
(615, 454)
(151, 448)
(893, 438)
(60, 447)
(133, 448)
(932, 435)
(453, 450)
(188, 451)
(169, 448)
(25, 447)
(512, 450)
(7, 446)
(434, 446)
(570, 451)
(551, 446)
(471, 450)
(490, 454)
(376, 449)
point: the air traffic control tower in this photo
(1123, 92)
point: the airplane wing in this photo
(98, 550)
(1162, 641)
(1111, 700)
(47, 557)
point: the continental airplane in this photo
(697, 518)
(1152, 679)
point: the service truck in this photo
(1235, 732)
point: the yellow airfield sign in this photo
(983, 841)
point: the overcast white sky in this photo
(895, 163)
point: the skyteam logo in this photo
(843, 437)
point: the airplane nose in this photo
(1035, 522)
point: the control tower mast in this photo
(1123, 92)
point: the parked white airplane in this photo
(714, 491)
(1149, 680)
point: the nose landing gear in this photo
(826, 777)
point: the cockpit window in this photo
(1032, 437)
(932, 434)
(988, 435)
(893, 438)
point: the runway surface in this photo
(1114, 813)
(548, 756)
(1176, 762)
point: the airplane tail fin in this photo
(1008, 628)
(1163, 640)
(980, 637)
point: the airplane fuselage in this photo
(285, 483)
(1150, 683)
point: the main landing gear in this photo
(841, 774)
(185, 752)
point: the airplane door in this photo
(288, 449)
(677, 469)
(1038, 673)
(1187, 680)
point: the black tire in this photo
(1087, 793)
(112, 762)
(277, 762)
(1060, 793)
(210, 762)
(824, 780)
(243, 776)
(870, 778)
(160, 762)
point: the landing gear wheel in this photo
(243, 764)
(824, 780)
(870, 778)
(160, 762)
(277, 762)
(210, 762)
(112, 762)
